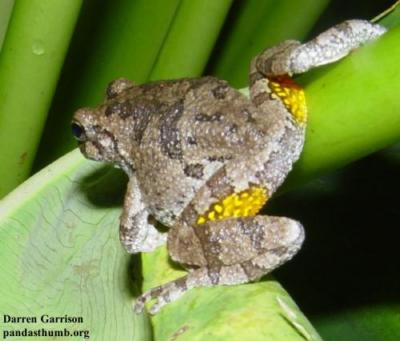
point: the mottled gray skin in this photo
(188, 143)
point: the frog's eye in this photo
(78, 131)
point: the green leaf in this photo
(371, 323)
(257, 311)
(61, 255)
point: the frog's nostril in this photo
(78, 131)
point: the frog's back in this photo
(193, 118)
(194, 127)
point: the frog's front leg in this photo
(231, 251)
(291, 57)
(136, 233)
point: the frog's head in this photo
(95, 140)
(101, 135)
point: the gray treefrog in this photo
(203, 159)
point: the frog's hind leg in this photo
(235, 251)
(291, 57)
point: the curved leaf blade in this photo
(61, 255)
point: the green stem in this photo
(191, 38)
(30, 62)
(389, 18)
(260, 25)
(354, 108)
(6, 7)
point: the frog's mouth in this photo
(91, 151)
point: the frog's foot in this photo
(147, 240)
(171, 291)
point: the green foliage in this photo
(260, 311)
(60, 252)
(61, 255)
(197, 21)
(30, 62)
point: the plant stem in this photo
(6, 7)
(262, 24)
(30, 62)
(191, 38)
(354, 108)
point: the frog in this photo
(203, 159)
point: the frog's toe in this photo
(155, 308)
(153, 240)
(138, 307)
(158, 294)
(162, 295)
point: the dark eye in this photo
(78, 131)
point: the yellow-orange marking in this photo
(292, 96)
(243, 204)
